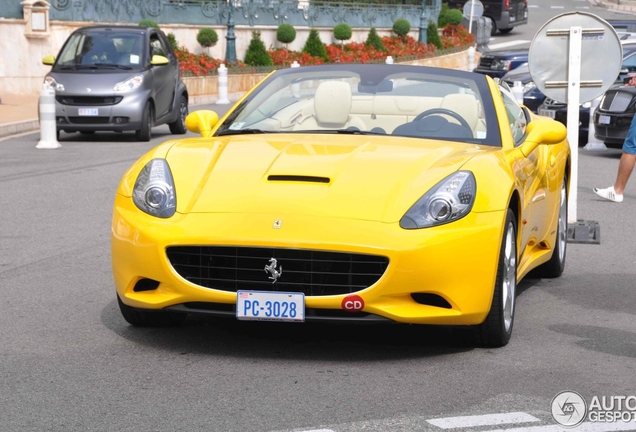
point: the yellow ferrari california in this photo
(355, 193)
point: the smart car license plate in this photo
(270, 306)
(603, 119)
(547, 113)
(88, 111)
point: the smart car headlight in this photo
(449, 200)
(154, 190)
(50, 81)
(129, 84)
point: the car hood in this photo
(520, 73)
(344, 176)
(97, 80)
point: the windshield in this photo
(102, 49)
(407, 101)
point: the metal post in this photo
(223, 87)
(423, 24)
(230, 51)
(48, 128)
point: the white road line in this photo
(482, 420)
(557, 7)
(583, 427)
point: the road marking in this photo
(482, 420)
(557, 7)
(583, 427)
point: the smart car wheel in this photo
(141, 318)
(497, 329)
(145, 132)
(178, 127)
(554, 268)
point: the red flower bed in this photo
(352, 52)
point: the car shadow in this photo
(206, 335)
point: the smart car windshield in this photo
(407, 101)
(114, 50)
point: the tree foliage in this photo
(148, 23)
(342, 32)
(314, 46)
(432, 36)
(401, 27)
(374, 40)
(256, 54)
(207, 37)
(286, 33)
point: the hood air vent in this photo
(299, 178)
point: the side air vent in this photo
(145, 285)
(299, 178)
(431, 300)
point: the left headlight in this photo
(500, 64)
(129, 84)
(154, 190)
(449, 200)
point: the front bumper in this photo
(612, 128)
(456, 262)
(103, 115)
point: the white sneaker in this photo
(609, 194)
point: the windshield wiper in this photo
(241, 132)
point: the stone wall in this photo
(22, 71)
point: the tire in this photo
(145, 133)
(506, 31)
(496, 330)
(554, 268)
(178, 126)
(87, 132)
(139, 318)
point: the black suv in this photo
(503, 14)
(498, 63)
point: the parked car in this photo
(532, 96)
(117, 78)
(281, 214)
(503, 14)
(498, 63)
(614, 115)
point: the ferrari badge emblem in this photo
(271, 269)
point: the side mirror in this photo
(48, 60)
(543, 132)
(158, 60)
(202, 122)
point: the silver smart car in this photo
(117, 78)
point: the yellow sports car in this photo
(357, 193)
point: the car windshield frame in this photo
(287, 97)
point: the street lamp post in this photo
(423, 23)
(230, 51)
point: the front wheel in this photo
(139, 318)
(496, 330)
(145, 132)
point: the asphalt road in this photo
(69, 362)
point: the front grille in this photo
(616, 101)
(89, 120)
(485, 62)
(312, 272)
(604, 132)
(89, 100)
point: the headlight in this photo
(449, 200)
(500, 64)
(154, 190)
(129, 84)
(50, 81)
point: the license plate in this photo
(603, 119)
(88, 111)
(270, 306)
(547, 113)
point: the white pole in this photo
(223, 93)
(574, 98)
(593, 143)
(295, 86)
(389, 60)
(48, 129)
(472, 11)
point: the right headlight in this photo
(449, 200)
(154, 190)
(129, 84)
(499, 64)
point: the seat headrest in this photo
(332, 103)
(466, 105)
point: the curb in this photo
(9, 129)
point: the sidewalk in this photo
(19, 113)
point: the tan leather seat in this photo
(332, 107)
(466, 105)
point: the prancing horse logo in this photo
(271, 269)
